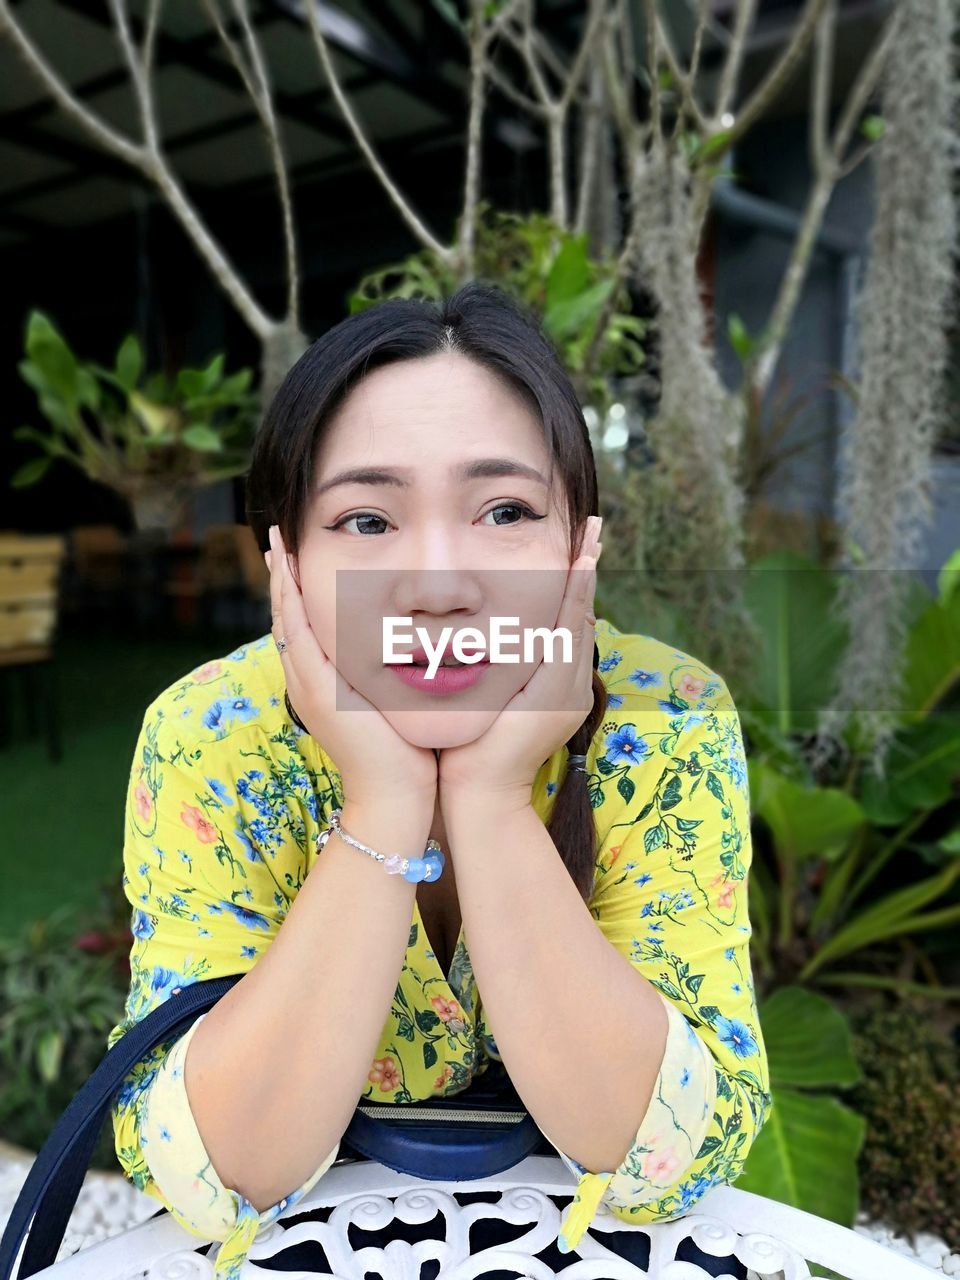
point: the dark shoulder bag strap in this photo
(53, 1184)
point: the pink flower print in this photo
(207, 672)
(385, 1074)
(661, 1166)
(143, 800)
(690, 687)
(442, 1079)
(717, 879)
(726, 898)
(446, 1009)
(191, 816)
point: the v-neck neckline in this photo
(428, 946)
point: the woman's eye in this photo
(513, 506)
(360, 515)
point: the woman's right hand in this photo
(359, 745)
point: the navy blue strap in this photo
(425, 1149)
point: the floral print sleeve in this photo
(668, 783)
(214, 853)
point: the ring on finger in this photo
(281, 645)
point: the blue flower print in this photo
(142, 925)
(219, 790)
(248, 952)
(219, 714)
(252, 919)
(551, 788)
(614, 700)
(736, 768)
(645, 679)
(163, 981)
(613, 659)
(670, 707)
(623, 746)
(252, 853)
(736, 1035)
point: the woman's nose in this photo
(438, 591)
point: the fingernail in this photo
(273, 543)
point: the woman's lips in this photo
(445, 680)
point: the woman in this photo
(592, 812)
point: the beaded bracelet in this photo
(413, 870)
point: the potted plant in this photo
(152, 438)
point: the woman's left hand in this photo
(545, 713)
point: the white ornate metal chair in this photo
(773, 1241)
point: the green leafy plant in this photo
(130, 430)
(806, 1153)
(824, 927)
(550, 271)
(825, 841)
(63, 983)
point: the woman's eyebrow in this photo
(399, 477)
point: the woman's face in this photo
(424, 540)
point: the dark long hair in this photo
(486, 324)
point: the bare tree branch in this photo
(420, 231)
(513, 93)
(653, 65)
(595, 15)
(257, 84)
(594, 121)
(822, 84)
(103, 134)
(141, 81)
(471, 185)
(147, 158)
(825, 179)
(730, 75)
(778, 76)
(683, 80)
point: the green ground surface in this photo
(61, 824)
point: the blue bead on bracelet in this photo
(429, 867)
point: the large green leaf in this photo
(129, 364)
(891, 917)
(203, 438)
(30, 473)
(806, 1156)
(807, 1039)
(932, 658)
(578, 315)
(948, 579)
(806, 1152)
(921, 768)
(792, 601)
(49, 352)
(200, 382)
(805, 821)
(569, 273)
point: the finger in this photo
(304, 653)
(276, 615)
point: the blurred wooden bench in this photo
(30, 568)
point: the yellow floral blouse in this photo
(224, 801)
